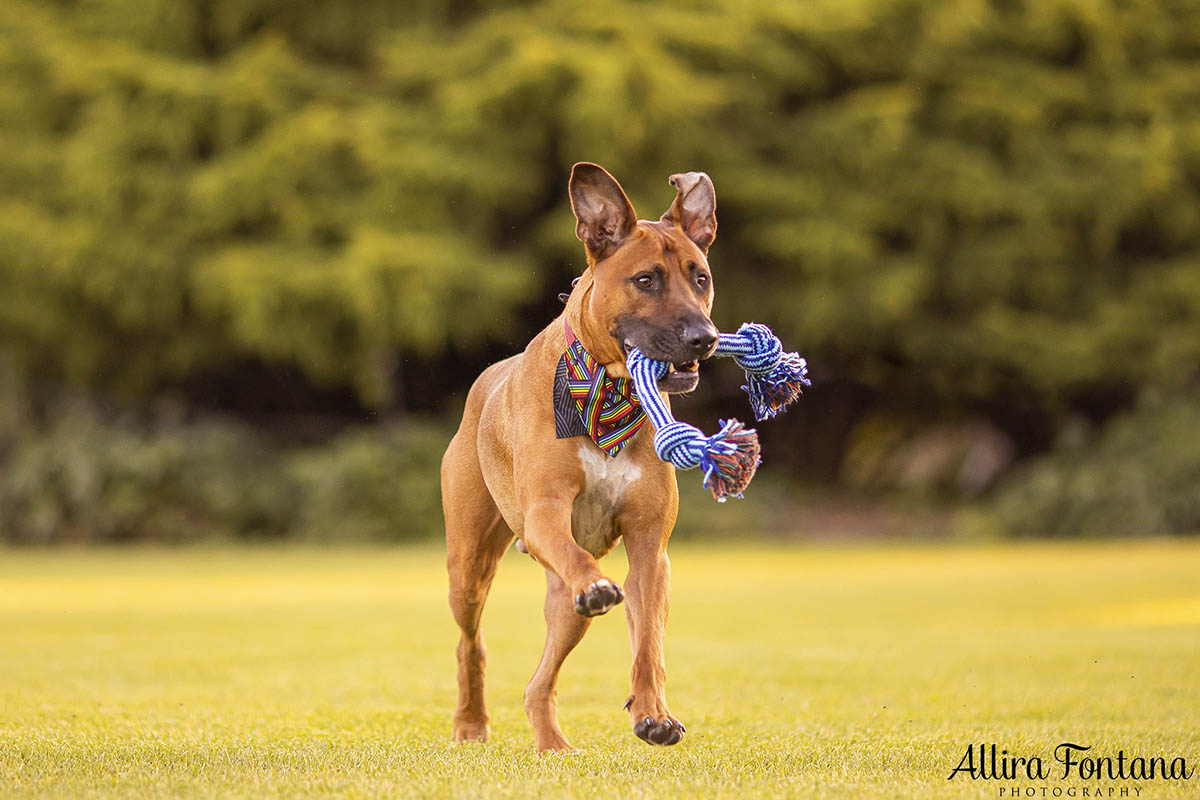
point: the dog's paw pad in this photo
(597, 599)
(661, 731)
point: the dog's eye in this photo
(645, 280)
(702, 280)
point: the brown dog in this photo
(505, 473)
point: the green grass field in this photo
(799, 671)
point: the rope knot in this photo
(762, 350)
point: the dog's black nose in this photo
(700, 338)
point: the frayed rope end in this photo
(772, 393)
(728, 458)
(774, 378)
(731, 459)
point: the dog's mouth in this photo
(685, 366)
(681, 376)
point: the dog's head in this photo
(650, 285)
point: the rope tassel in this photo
(729, 458)
(774, 378)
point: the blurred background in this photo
(253, 253)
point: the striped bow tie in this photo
(608, 406)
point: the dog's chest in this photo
(606, 480)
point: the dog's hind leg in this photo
(564, 629)
(476, 540)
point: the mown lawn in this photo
(799, 671)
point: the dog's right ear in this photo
(605, 216)
(695, 208)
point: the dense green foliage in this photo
(954, 208)
(71, 472)
(185, 186)
(938, 197)
(1140, 477)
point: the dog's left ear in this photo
(695, 208)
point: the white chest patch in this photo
(605, 481)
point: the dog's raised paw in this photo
(598, 598)
(662, 731)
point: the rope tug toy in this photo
(729, 458)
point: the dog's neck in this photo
(592, 333)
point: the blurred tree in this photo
(968, 205)
(185, 188)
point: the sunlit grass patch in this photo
(829, 672)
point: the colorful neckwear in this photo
(607, 406)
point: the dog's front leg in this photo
(575, 591)
(549, 538)
(648, 597)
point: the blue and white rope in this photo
(729, 457)
(773, 377)
(754, 347)
(677, 442)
